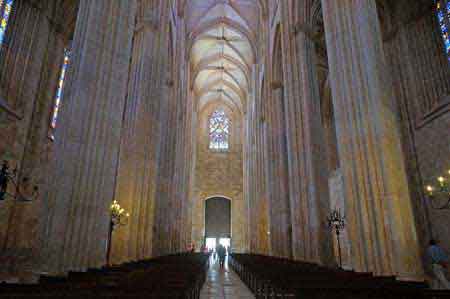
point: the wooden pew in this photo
(272, 277)
(174, 276)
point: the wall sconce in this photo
(7, 176)
(439, 196)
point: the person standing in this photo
(439, 264)
(222, 253)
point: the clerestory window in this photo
(59, 92)
(443, 15)
(5, 12)
(219, 131)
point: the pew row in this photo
(174, 276)
(273, 277)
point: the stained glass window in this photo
(443, 14)
(5, 12)
(219, 131)
(59, 90)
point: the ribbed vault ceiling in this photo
(221, 40)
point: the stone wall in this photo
(219, 173)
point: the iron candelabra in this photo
(118, 218)
(8, 176)
(336, 222)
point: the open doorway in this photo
(218, 223)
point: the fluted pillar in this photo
(135, 190)
(185, 142)
(249, 170)
(308, 175)
(163, 225)
(379, 214)
(88, 138)
(261, 200)
(258, 205)
(180, 177)
(277, 179)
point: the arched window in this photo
(5, 12)
(59, 92)
(219, 130)
(443, 14)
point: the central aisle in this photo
(224, 284)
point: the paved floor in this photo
(224, 284)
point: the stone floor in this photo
(224, 284)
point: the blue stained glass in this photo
(443, 15)
(219, 130)
(59, 91)
(5, 12)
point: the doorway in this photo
(217, 222)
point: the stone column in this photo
(187, 142)
(249, 169)
(277, 178)
(87, 139)
(164, 233)
(379, 214)
(308, 175)
(135, 190)
(182, 161)
(261, 197)
(258, 201)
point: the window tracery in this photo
(219, 131)
(443, 15)
(5, 12)
(59, 91)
